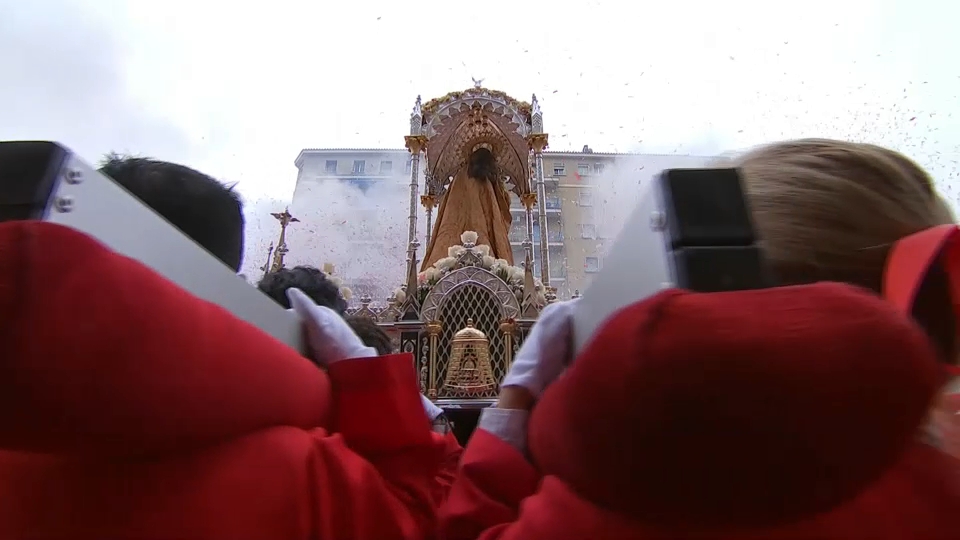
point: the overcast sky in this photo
(237, 89)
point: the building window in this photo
(409, 166)
(386, 167)
(358, 166)
(588, 230)
(363, 184)
(591, 264)
(583, 169)
(559, 170)
(598, 168)
(331, 166)
(588, 214)
(586, 197)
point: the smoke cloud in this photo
(359, 227)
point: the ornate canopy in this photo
(459, 122)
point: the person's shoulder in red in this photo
(135, 410)
(783, 413)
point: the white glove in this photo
(428, 407)
(329, 337)
(546, 351)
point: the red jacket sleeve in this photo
(485, 499)
(377, 476)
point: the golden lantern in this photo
(469, 371)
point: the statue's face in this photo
(482, 156)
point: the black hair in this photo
(371, 334)
(482, 165)
(308, 279)
(202, 208)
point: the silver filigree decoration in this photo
(497, 104)
(477, 276)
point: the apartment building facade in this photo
(582, 190)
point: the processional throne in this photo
(464, 322)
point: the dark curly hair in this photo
(371, 334)
(308, 279)
(482, 165)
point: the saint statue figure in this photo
(477, 201)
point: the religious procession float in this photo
(464, 311)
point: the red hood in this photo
(102, 355)
(745, 409)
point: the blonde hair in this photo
(830, 211)
(944, 212)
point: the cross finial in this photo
(284, 217)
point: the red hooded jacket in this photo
(788, 413)
(131, 409)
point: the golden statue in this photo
(469, 371)
(476, 200)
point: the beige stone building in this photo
(584, 189)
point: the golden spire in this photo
(285, 218)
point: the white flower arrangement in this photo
(345, 292)
(511, 275)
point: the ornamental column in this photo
(416, 142)
(528, 200)
(508, 328)
(428, 201)
(434, 328)
(538, 143)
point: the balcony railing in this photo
(553, 203)
(555, 272)
(552, 238)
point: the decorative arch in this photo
(470, 275)
(454, 124)
(514, 112)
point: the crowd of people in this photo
(823, 408)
